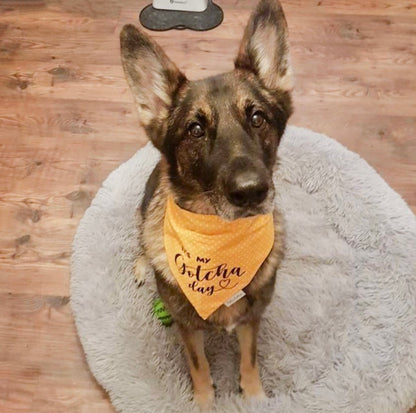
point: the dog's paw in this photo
(255, 396)
(251, 387)
(204, 399)
(140, 269)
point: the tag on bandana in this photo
(235, 298)
(212, 259)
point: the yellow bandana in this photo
(212, 259)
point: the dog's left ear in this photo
(264, 49)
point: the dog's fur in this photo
(242, 116)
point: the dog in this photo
(218, 139)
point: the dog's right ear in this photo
(153, 78)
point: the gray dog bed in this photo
(339, 335)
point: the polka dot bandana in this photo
(212, 259)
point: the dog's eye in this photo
(196, 130)
(257, 119)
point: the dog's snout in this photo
(247, 188)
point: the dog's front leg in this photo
(249, 373)
(199, 367)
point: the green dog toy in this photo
(160, 311)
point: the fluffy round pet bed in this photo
(339, 335)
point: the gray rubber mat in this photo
(155, 19)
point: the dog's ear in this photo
(153, 79)
(264, 49)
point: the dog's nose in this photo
(247, 188)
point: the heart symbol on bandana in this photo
(224, 283)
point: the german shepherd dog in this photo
(218, 138)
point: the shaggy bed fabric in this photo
(339, 335)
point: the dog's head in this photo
(218, 135)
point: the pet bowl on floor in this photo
(339, 334)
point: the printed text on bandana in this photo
(205, 278)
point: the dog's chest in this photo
(226, 317)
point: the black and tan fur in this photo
(242, 115)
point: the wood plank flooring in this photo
(67, 119)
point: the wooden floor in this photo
(67, 120)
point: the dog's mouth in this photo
(250, 213)
(229, 212)
(215, 202)
(237, 213)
